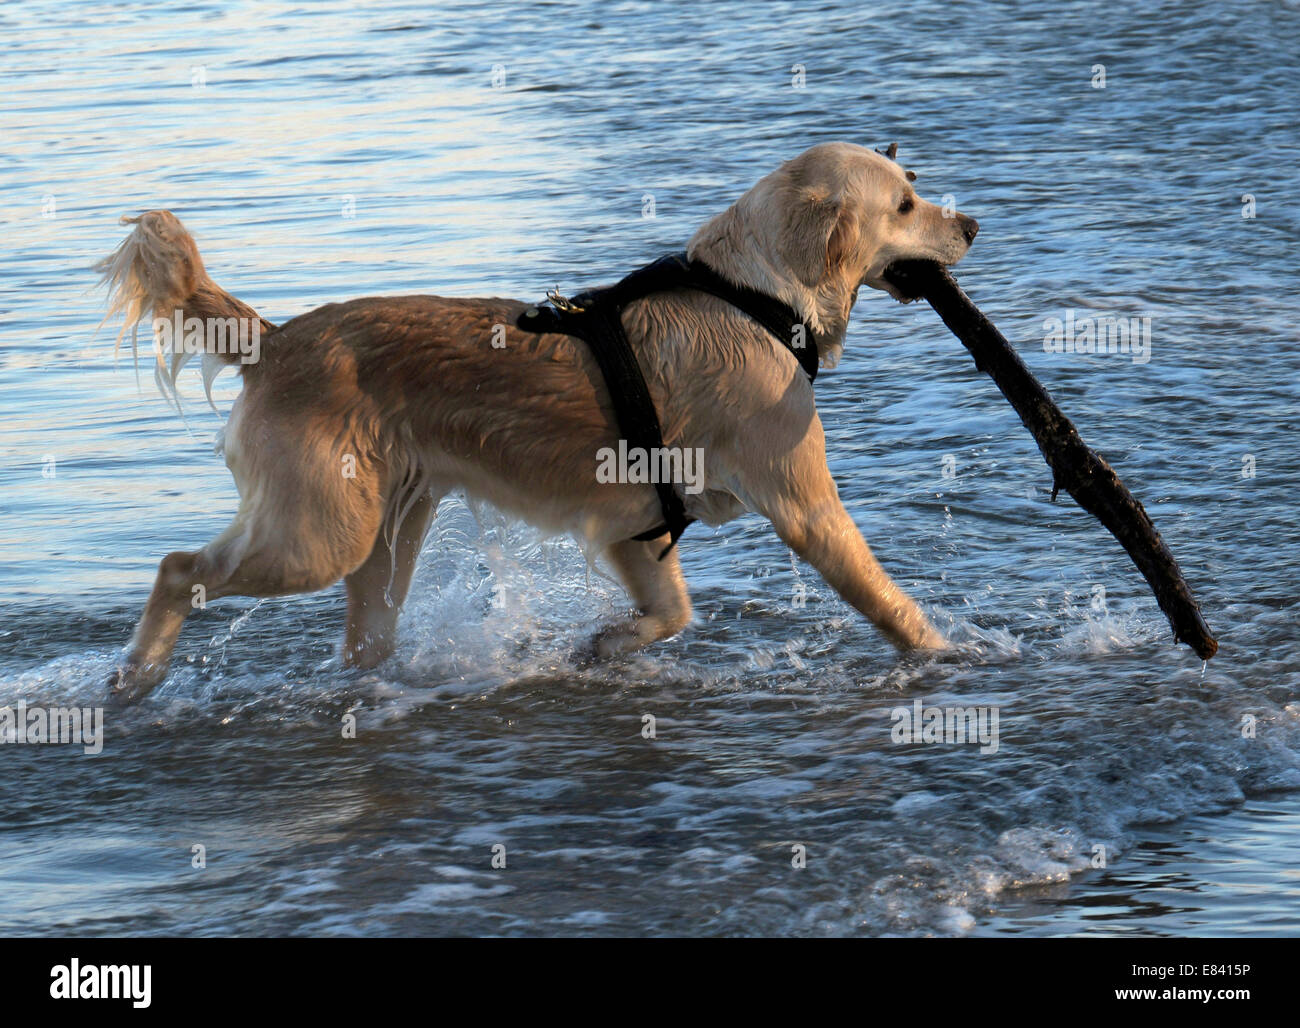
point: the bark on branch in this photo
(1075, 468)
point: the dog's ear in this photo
(822, 232)
(844, 237)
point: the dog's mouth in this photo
(900, 279)
(905, 280)
(903, 277)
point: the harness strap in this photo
(596, 318)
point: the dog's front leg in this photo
(658, 589)
(807, 514)
(825, 536)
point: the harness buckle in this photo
(562, 303)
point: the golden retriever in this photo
(355, 418)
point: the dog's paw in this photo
(587, 653)
(583, 656)
(129, 682)
(611, 641)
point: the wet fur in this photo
(410, 393)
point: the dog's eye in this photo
(906, 205)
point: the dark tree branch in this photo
(1075, 468)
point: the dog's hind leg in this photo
(377, 589)
(658, 590)
(306, 532)
(178, 589)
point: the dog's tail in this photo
(158, 270)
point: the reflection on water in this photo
(362, 149)
(1204, 877)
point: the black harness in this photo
(596, 317)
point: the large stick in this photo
(1075, 468)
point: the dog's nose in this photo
(969, 227)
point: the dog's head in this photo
(823, 224)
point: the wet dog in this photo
(355, 418)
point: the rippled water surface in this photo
(264, 126)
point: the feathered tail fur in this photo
(157, 269)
